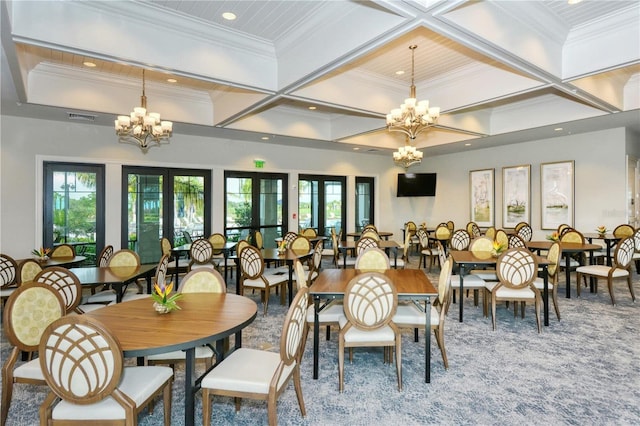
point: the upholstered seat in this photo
(253, 275)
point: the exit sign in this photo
(259, 164)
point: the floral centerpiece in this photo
(497, 249)
(553, 237)
(601, 229)
(163, 303)
(41, 253)
(282, 247)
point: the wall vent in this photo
(81, 117)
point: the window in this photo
(364, 202)
(74, 207)
(322, 203)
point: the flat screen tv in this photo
(416, 184)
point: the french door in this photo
(364, 202)
(322, 203)
(255, 202)
(162, 202)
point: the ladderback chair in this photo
(8, 275)
(263, 375)
(473, 230)
(253, 276)
(525, 232)
(83, 366)
(517, 269)
(372, 259)
(623, 231)
(460, 240)
(554, 255)
(201, 254)
(370, 302)
(62, 250)
(621, 268)
(409, 315)
(28, 269)
(28, 311)
(66, 283)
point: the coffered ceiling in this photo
(501, 71)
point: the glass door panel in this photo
(333, 206)
(238, 206)
(321, 203)
(188, 207)
(270, 207)
(144, 215)
(364, 202)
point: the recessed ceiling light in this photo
(89, 64)
(265, 138)
(172, 80)
(312, 107)
(229, 16)
(557, 129)
(399, 72)
(356, 149)
(467, 144)
(573, 1)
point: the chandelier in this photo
(413, 116)
(407, 156)
(141, 127)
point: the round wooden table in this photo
(204, 318)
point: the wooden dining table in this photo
(204, 318)
(567, 250)
(117, 276)
(65, 261)
(383, 234)
(467, 261)
(411, 284)
(180, 250)
(349, 246)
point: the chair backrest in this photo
(161, 271)
(293, 329)
(408, 235)
(372, 259)
(124, 257)
(572, 236)
(370, 300)
(107, 252)
(201, 251)
(300, 243)
(554, 254)
(8, 270)
(636, 240)
(481, 245)
(460, 240)
(187, 237)
(63, 250)
(203, 281)
(241, 244)
(622, 231)
(251, 262)
(165, 246)
(490, 232)
(517, 268)
(444, 283)
(81, 362)
(300, 275)
(525, 232)
(423, 237)
(473, 230)
(370, 233)
(410, 227)
(451, 225)
(28, 312)
(562, 227)
(624, 253)
(309, 232)
(443, 232)
(442, 257)
(28, 270)
(369, 226)
(217, 241)
(516, 241)
(258, 241)
(501, 237)
(365, 243)
(316, 260)
(65, 282)
(289, 237)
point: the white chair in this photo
(66, 283)
(621, 268)
(253, 276)
(105, 392)
(263, 375)
(409, 315)
(370, 302)
(201, 254)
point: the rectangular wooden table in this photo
(411, 284)
(118, 277)
(468, 261)
(348, 246)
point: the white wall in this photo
(25, 144)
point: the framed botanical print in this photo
(482, 192)
(516, 195)
(556, 194)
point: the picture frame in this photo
(557, 194)
(482, 197)
(516, 195)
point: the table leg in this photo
(316, 335)
(461, 290)
(290, 283)
(175, 274)
(545, 294)
(149, 282)
(395, 257)
(189, 386)
(427, 340)
(226, 257)
(118, 287)
(238, 276)
(567, 271)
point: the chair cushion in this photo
(29, 370)
(202, 352)
(522, 293)
(409, 314)
(138, 383)
(247, 370)
(330, 314)
(602, 271)
(354, 335)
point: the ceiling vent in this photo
(81, 117)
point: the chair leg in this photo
(610, 285)
(341, 364)
(578, 275)
(537, 304)
(493, 310)
(298, 386)
(439, 333)
(399, 360)
(271, 409)
(554, 296)
(7, 383)
(206, 407)
(166, 403)
(633, 295)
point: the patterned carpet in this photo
(583, 370)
